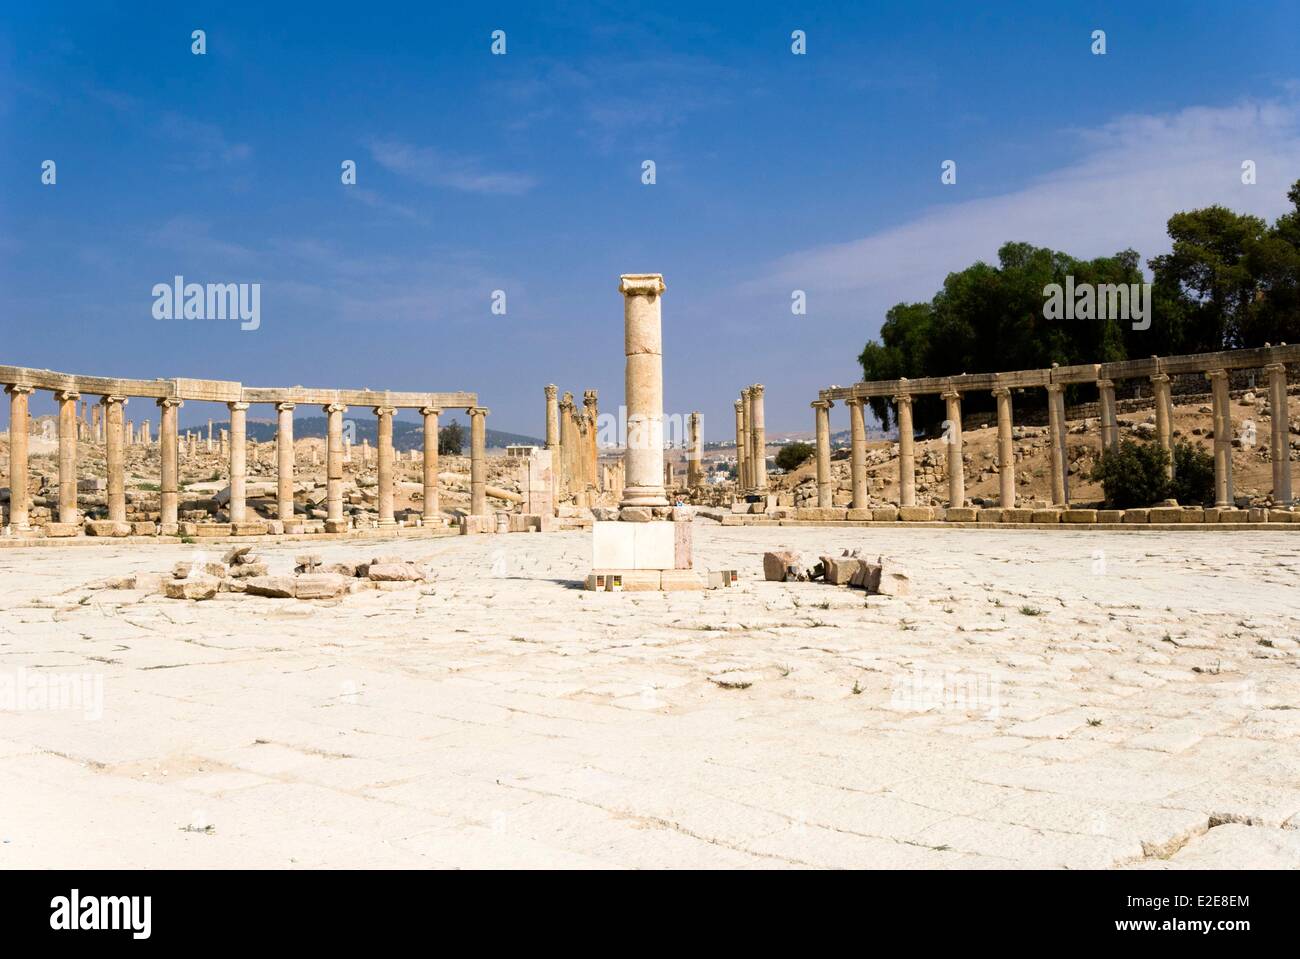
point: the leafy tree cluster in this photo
(1229, 281)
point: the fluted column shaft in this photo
(68, 456)
(238, 461)
(825, 491)
(1280, 441)
(644, 388)
(1006, 449)
(1223, 486)
(906, 451)
(19, 498)
(956, 459)
(169, 474)
(431, 513)
(747, 398)
(478, 460)
(857, 451)
(385, 469)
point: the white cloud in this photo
(1130, 176)
(435, 167)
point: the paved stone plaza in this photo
(1045, 698)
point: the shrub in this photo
(451, 440)
(793, 455)
(1133, 475)
(1193, 474)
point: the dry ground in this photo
(1043, 698)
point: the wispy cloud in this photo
(1131, 175)
(434, 167)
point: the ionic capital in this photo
(1105, 384)
(334, 408)
(854, 401)
(432, 410)
(170, 402)
(1159, 377)
(821, 404)
(478, 411)
(64, 396)
(14, 389)
(285, 407)
(111, 399)
(382, 411)
(903, 399)
(237, 407)
(1216, 374)
(1054, 388)
(1275, 368)
(950, 394)
(1001, 391)
(641, 284)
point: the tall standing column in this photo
(168, 486)
(956, 461)
(906, 451)
(68, 455)
(238, 460)
(1164, 417)
(568, 440)
(825, 492)
(742, 459)
(477, 460)
(334, 521)
(1223, 487)
(385, 432)
(1109, 421)
(747, 398)
(19, 499)
(1006, 449)
(431, 514)
(552, 418)
(589, 451)
(1280, 442)
(115, 437)
(857, 451)
(1056, 442)
(644, 388)
(284, 461)
(695, 462)
(758, 432)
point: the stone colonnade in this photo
(571, 438)
(1103, 376)
(169, 395)
(751, 441)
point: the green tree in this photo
(1133, 475)
(451, 439)
(793, 455)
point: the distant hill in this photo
(406, 435)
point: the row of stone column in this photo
(1058, 448)
(20, 501)
(571, 436)
(751, 440)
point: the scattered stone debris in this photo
(242, 571)
(847, 569)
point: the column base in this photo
(336, 526)
(644, 496)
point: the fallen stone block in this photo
(894, 580)
(785, 566)
(276, 587)
(319, 586)
(342, 569)
(144, 528)
(195, 588)
(248, 570)
(235, 554)
(188, 569)
(866, 576)
(839, 570)
(394, 573)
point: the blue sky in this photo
(522, 173)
